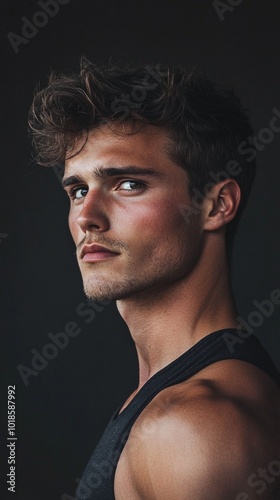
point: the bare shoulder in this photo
(214, 436)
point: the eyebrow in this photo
(104, 172)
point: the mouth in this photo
(93, 253)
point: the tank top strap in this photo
(97, 482)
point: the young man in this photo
(157, 176)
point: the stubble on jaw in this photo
(143, 286)
(107, 290)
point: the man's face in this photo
(125, 196)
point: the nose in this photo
(93, 215)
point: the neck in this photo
(167, 320)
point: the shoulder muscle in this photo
(204, 448)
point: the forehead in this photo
(117, 145)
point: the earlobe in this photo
(221, 204)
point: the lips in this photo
(91, 253)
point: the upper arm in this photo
(178, 456)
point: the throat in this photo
(170, 321)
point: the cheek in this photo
(165, 230)
(74, 228)
(143, 219)
(153, 222)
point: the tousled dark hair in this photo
(206, 124)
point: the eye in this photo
(131, 185)
(78, 193)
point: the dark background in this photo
(62, 410)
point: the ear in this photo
(221, 204)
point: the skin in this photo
(203, 438)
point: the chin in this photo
(98, 296)
(99, 290)
(105, 290)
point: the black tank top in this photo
(97, 482)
